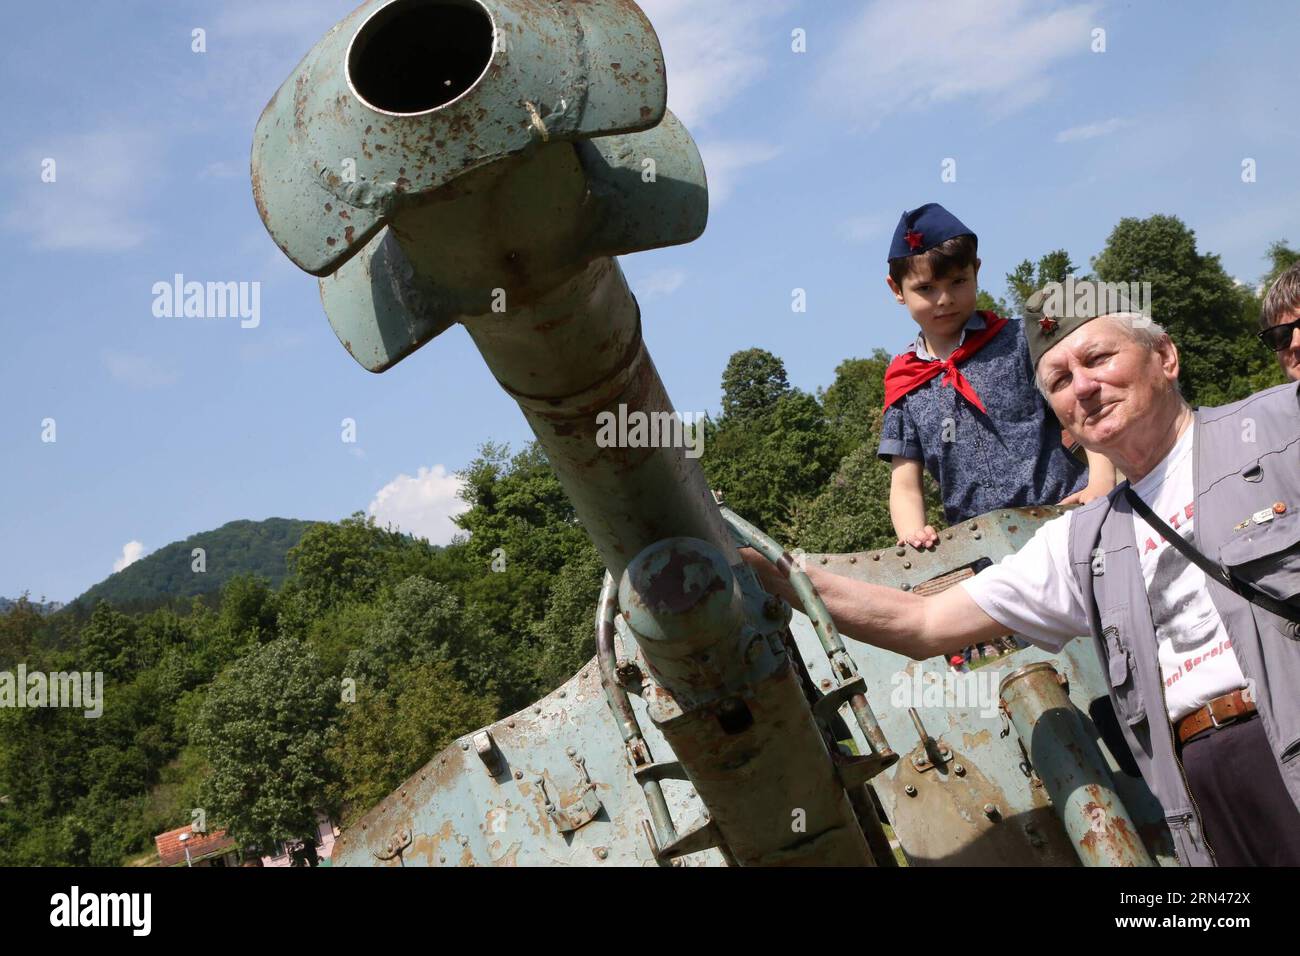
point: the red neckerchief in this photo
(908, 371)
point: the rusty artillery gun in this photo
(484, 162)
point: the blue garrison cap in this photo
(923, 228)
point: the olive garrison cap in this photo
(1057, 309)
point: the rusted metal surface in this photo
(730, 701)
(977, 733)
(847, 685)
(522, 72)
(456, 814)
(1071, 768)
(941, 819)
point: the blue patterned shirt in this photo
(1010, 457)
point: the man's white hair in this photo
(1137, 327)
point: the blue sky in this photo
(168, 426)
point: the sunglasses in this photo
(1278, 337)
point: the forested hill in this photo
(239, 547)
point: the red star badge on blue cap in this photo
(1047, 324)
(913, 239)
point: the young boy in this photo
(962, 402)
(1279, 321)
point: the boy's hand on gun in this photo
(1083, 496)
(1101, 480)
(926, 537)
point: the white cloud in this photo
(132, 552)
(138, 371)
(659, 283)
(291, 19)
(895, 57)
(723, 160)
(270, 347)
(712, 51)
(223, 169)
(101, 179)
(862, 228)
(1092, 130)
(422, 506)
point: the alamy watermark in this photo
(208, 300)
(1090, 297)
(638, 429)
(129, 910)
(969, 690)
(75, 689)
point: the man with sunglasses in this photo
(1279, 317)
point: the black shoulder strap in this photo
(1212, 570)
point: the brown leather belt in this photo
(1221, 710)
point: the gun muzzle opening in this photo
(414, 56)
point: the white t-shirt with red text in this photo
(1035, 594)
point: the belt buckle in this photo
(1214, 721)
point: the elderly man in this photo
(1206, 683)
(1279, 320)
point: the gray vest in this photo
(1246, 457)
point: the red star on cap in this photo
(1047, 324)
(913, 239)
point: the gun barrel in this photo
(496, 157)
(1072, 769)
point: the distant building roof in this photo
(171, 851)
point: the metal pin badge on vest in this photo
(1263, 516)
(1098, 562)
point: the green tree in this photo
(1026, 278)
(1205, 313)
(857, 394)
(851, 512)
(518, 512)
(20, 628)
(389, 733)
(765, 463)
(262, 729)
(566, 636)
(985, 302)
(248, 608)
(773, 445)
(420, 623)
(107, 642)
(1280, 257)
(523, 532)
(753, 381)
(337, 563)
